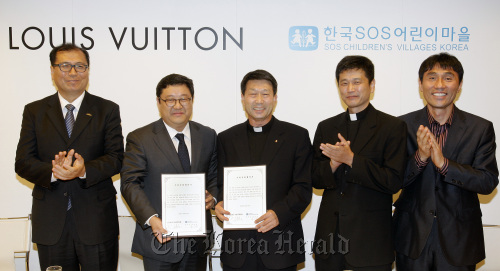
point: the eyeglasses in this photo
(172, 102)
(66, 67)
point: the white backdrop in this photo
(217, 42)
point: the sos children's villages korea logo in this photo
(303, 38)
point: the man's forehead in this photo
(71, 54)
(439, 69)
(361, 73)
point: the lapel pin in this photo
(276, 141)
(88, 114)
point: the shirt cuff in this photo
(444, 169)
(147, 221)
(420, 164)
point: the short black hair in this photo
(445, 61)
(259, 75)
(356, 62)
(174, 79)
(67, 47)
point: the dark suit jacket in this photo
(288, 156)
(97, 136)
(364, 208)
(470, 148)
(150, 153)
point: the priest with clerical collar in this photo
(285, 150)
(359, 161)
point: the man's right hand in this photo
(220, 212)
(424, 142)
(158, 230)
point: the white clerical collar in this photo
(353, 117)
(257, 129)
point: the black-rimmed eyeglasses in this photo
(66, 67)
(171, 102)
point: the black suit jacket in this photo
(288, 156)
(364, 208)
(150, 152)
(470, 148)
(97, 136)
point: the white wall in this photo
(306, 94)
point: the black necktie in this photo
(69, 119)
(183, 153)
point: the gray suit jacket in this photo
(150, 153)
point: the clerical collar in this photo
(261, 129)
(359, 115)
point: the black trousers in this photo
(70, 253)
(189, 262)
(253, 262)
(432, 257)
(336, 262)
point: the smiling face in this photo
(355, 89)
(440, 87)
(70, 84)
(178, 115)
(259, 100)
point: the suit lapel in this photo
(366, 130)
(456, 131)
(166, 146)
(341, 127)
(273, 142)
(55, 115)
(196, 142)
(421, 118)
(240, 143)
(85, 114)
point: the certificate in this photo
(183, 204)
(244, 196)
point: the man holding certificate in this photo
(166, 152)
(272, 158)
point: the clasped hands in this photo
(65, 169)
(161, 233)
(340, 153)
(264, 223)
(429, 147)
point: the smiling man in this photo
(173, 144)
(285, 149)
(359, 161)
(70, 146)
(451, 160)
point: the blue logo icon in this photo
(303, 38)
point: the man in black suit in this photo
(285, 149)
(156, 149)
(70, 146)
(359, 160)
(451, 160)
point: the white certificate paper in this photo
(183, 204)
(244, 196)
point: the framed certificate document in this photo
(244, 196)
(183, 204)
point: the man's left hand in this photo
(436, 153)
(65, 171)
(267, 221)
(342, 152)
